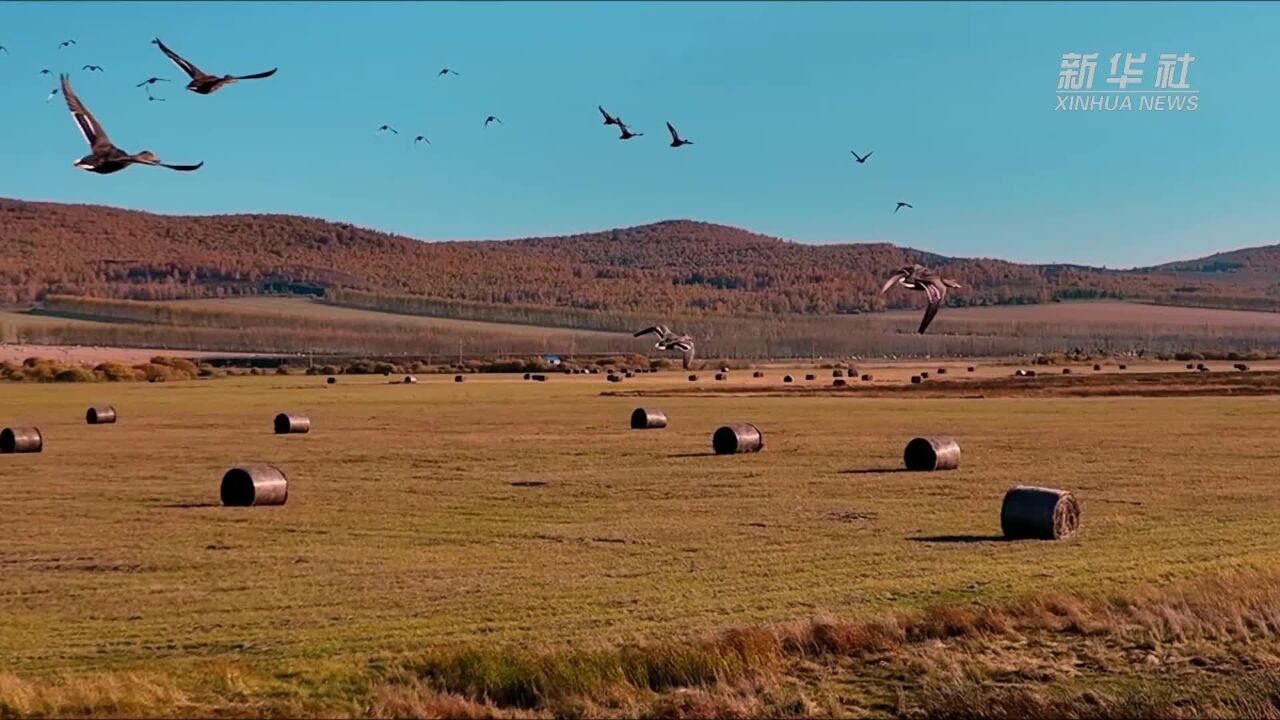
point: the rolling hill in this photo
(677, 267)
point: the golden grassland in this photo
(507, 547)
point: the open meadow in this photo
(443, 542)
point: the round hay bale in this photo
(787, 379)
(1039, 514)
(457, 378)
(21, 440)
(693, 378)
(942, 371)
(1190, 366)
(538, 378)
(924, 374)
(648, 419)
(614, 378)
(810, 378)
(247, 485)
(837, 373)
(935, 452)
(1097, 368)
(1066, 371)
(720, 376)
(292, 424)
(916, 379)
(628, 374)
(1241, 367)
(737, 438)
(838, 382)
(867, 378)
(969, 369)
(757, 374)
(1123, 366)
(409, 379)
(1031, 373)
(527, 376)
(1020, 373)
(724, 368)
(331, 380)
(100, 415)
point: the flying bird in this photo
(861, 158)
(668, 340)
(66, 43)
(202, 83)
(52, 95)
(421, 138)
(626, 132)
(491, 118)
(151, 81)
(921, 278)
(446, 71)
(93, 68)
(5, 49)
(46, 71)
(608, 119)
(676, 140)
(903, 205)
(103, 157)
(388, 128)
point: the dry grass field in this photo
(496, 546)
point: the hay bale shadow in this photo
(691, 455)
(874, 471)
(959, 538)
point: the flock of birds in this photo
(105, 158)
(913, 277)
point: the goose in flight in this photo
(46, 71)
(103, 157)
(388, 128)
(608, 119)
(446, 71)
(901, 205)
(421, 138)
(203, 83)
(5, 49)
(151, 81)
(921, 278)
(668, 340)
(626, 132)
(66, 43)
(491, 119)
(676, 140)
(93, 68)
(861, 158)
(53, 94)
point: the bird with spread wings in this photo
(922, 279)
(668, 340)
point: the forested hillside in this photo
(677, 267)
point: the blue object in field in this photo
(553, 359)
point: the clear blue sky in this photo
(956, 100)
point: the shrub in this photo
(76, 374)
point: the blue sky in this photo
(956, 100)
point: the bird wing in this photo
(892, 279)
(182, 168)
(688, 357)
(89, 127)
(655, 329)
(178, 60)
(608, 119)
(674, 136)
(936, 292)
(257, 76)
(864, 157)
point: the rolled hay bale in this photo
(935, 452)
(1097, 368)
(942, 371)
(648, 419)
(1123, 366)
(247, 485)
(292, 424)
(458, 378)
(1020, 373)
(721, 376)
(867, 378)
(757, 374)
(924, 374)
(331, 380)
(21, 440)
(1038, 513)
(1031, 373)
(1241, 367)
(1190, 366)
(724, 368)
(527, 376)
(838, 382)
(837, 373)
(737, 438)
(1066, 371)
(538, 378)
(810, 378)
(969, 369)
(628, 374)
(916, 379)
(614, 378)
(693, 378)
(409, 379)
(100, 415)
(787, 379)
